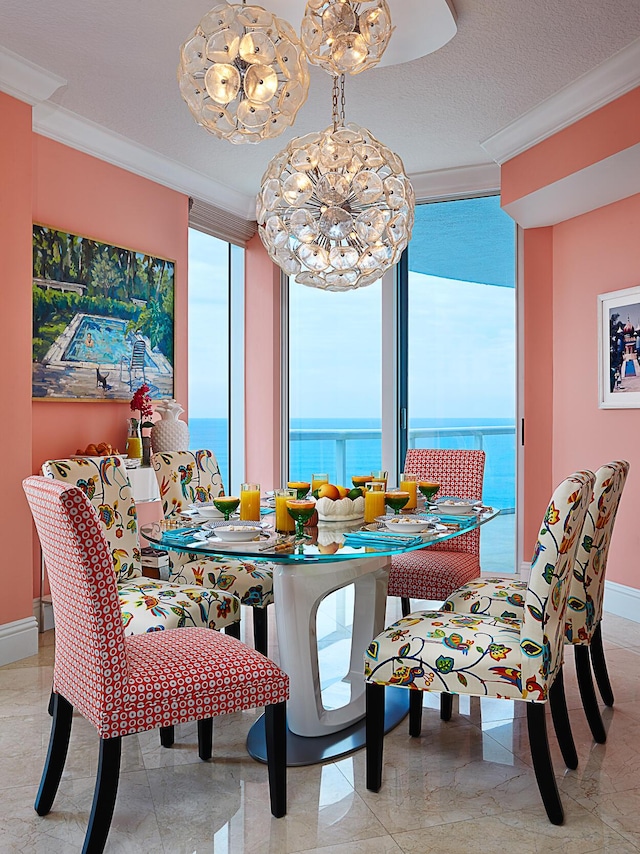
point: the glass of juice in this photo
(428, 488)
(409, 483)
(284, 522)
(396, 499)
(373, 500)
(379, 477)
(226, 504)
(317, 480)
(250, 501)
(301, 510)
(301, 487)
(359, 480)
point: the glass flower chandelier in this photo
(335, 209)
(346, 36)
(243, 73)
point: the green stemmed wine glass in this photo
(301, 510)
(428, 488)
(396, 499)
(226, 504)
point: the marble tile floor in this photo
(466, 785)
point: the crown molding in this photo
(603, 183)
(612, 78)
(25, 80)
(463, 180)
(71, 129)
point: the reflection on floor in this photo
(466, 785)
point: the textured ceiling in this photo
(119, 58)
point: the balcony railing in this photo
(435, 436)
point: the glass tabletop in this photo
(325, 543)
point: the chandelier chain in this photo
(335, 117)
(338, 101)
(342, 101)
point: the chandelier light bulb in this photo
(335, 209)
(346, 36)
(243, 73)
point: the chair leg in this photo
(51, 702)
(446, 706)
(561, 722)
(588, 693)
(539, 745)
(260, 629)
(276, 737)
(375, 734)
(56, 755)
(405, 604)
(104, 796)
(415, 713)
(205, 738)
(233, 630)
(599, 665)
(167, 736)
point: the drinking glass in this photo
(373, 500)
(301, 487)
(428, 488)
(301, 510)
(250, 501)
(379, 477)
(284, 522)
(408, 483)
(317, 480)
(226, 504)
(396, 499)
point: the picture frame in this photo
(619, 349)
(103, 319)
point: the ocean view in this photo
(343, 447)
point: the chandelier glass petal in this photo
(346, 36)
(243, 73)
(335, 209)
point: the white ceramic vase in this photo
(169, 434)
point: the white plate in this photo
(238, 533)
(212, 524)
(207, 510)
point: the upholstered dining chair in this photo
(435, 572)
(126, 684)
(489, 656)
(185, 477)
(505, 597)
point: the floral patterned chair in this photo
(435, 572)
(491, 656)
(125, 684)
(185, 477)
(505, 597)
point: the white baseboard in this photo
(18, 640)
(622, 601)
(46, 613)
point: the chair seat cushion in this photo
(148, 605)
(489, 597)
(251, 583)
(456, 653)
(431, 574)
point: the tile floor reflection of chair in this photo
(462, 781)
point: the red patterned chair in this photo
(435, 572)
(126, 684)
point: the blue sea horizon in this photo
(362, 456)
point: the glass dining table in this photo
(333, 556)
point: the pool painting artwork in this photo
(102, 319)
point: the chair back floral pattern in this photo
(185, 477)
(543, 624)
(105, 483)
(459, 473)
(586, 593)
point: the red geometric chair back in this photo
(459, 473)
(90, 663)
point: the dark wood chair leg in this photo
(233, 630)
(600, 667)
(51, 701)
(539, 745)
(405, 604)
(167, 736)
(104, 796)
(276, 738)
(375, 734)
(415, 713)
(56, 755)
(205, 738)
(446, 706)
(260, 641)
(561, 722)
(588, 693)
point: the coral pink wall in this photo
(15, 357)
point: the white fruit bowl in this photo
(342, 510)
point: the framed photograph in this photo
(102, 319)
(619, 349)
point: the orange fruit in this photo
(343, 491)
(328, 490)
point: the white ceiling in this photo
(119, 59)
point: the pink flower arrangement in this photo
(141, 402)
